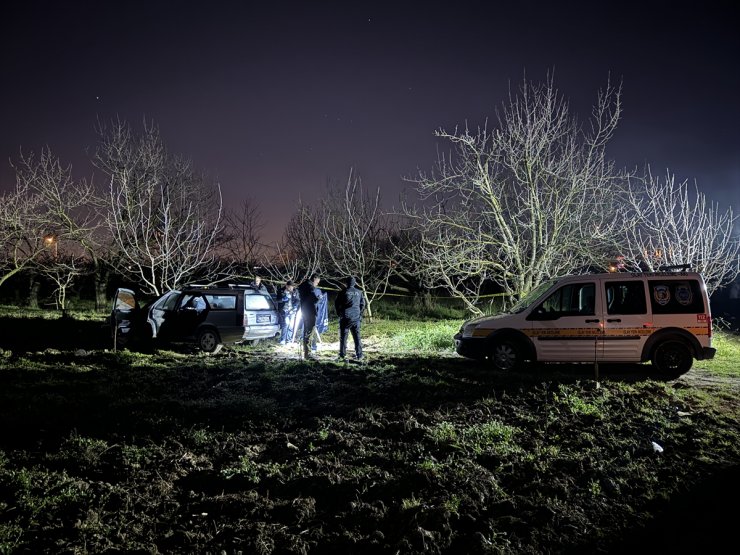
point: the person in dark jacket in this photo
(349, 306)
(310, 296)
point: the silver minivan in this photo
(207, 316)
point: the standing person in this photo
(310, 296)
(349, 306)
(258, 285)
(287, 303)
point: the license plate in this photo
(263, 318)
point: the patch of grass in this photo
(245, 468)
(418, 308)
(431, 465)
(725, 362)
(452, 504)
(201, 437)
(83, 450)
(444, 432)
(81, 314)
(410, 503)
(490, 436)
(428, 337)
(11, 533)
(575, 402)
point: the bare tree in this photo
(670, 223)
(442, 258)
(62, 270)
(163, 217)
(357, 238)
(71, 210)
(46, 207)
(23, 226)
(283, 264)
(303, 243)
(521, 202)
(241, 241)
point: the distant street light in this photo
(50, 240)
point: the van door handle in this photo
(594, 321)
(614, 320)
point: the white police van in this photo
(663, 317)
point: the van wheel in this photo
(208, 341)
(506, 355)
(672, 357)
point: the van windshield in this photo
(528, 299)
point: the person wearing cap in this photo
(349, 305)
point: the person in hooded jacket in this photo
(349, 305)
(310, 296)
(288, 303)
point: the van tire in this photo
(209, 341)
(672, 357)
(506, 355)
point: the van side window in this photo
(574, 299)
(676, 297)
(625, 297)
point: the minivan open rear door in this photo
(122, 314)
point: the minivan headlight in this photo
(467, 330)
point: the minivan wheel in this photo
(209, 342)
(672, 357)
(506, 355)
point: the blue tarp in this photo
(322, 321)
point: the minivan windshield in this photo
(530, 298)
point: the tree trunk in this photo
(101, 286)
(33, 292)
(426, 300)
(367, 307)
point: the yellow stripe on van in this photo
(589, 332)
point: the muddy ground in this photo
(255, 451)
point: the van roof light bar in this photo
(675, 268)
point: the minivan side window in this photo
(676, 297)
(169, 302)
(221, 302)
(574, 299)
(625, 297)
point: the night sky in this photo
(273, 99)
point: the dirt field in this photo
(255, 451)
